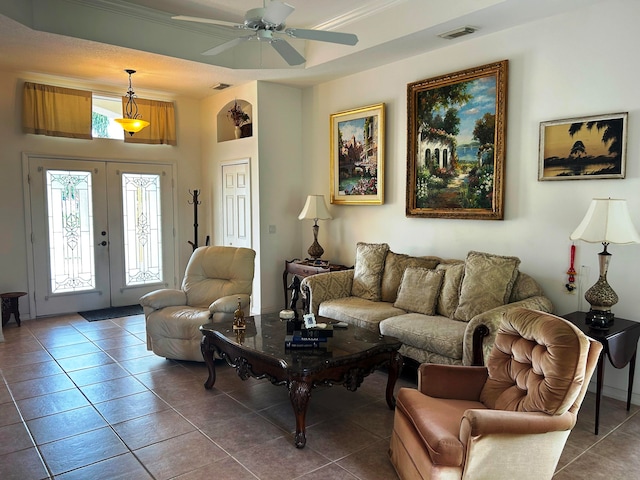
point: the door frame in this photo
(26, 157)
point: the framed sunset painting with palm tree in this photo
(456, 144)
(583, 148)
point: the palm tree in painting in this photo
(578, 150)
(611, 132)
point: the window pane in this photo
(105, 111)
(142, 228)
(70, 216)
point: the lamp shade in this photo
(607, 221)
(132, 124)
(315, 208)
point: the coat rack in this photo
(195, 204)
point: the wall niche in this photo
(226, 127)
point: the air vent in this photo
(220, 86)
(458, 32)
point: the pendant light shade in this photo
(132, 121)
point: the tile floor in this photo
(82, 400)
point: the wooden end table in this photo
(10, 305)
(301, 269)
(260, 352)
(620, 344)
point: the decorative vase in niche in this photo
(237, 131)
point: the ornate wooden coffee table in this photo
(353, 354)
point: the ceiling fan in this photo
(267, 21)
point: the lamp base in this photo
(599, 319)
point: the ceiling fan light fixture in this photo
(132, 121)
(458, 32)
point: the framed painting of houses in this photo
(357, 156)
(583, 148)
(456, 144)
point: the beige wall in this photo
(582, 63)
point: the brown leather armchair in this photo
(508, 420)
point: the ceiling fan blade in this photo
(277, 12)
(226, 46)
(286, 51)
(205, 20)
(323, 36)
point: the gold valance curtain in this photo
(162, 119)
(56, 111)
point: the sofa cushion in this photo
(448, 299)
(358, 311)
(433, 333)
(419, 290)
(394, 266)
(487, 283)
(367, 275)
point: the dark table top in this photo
(266, 334)
(619, 325)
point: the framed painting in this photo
(456, 144)
(583, 148)
(357, 156)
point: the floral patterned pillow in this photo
(419, 290)
(368, 268)
(487, 283)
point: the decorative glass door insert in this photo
(141, 212)
(70, 219)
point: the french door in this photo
(102, 233)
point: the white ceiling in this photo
(95, 40)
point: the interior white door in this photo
(102, 233)
(236, 199)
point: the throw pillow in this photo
(419, 290)
(448, 299)
(487, 283)
(394, 266)
(367, 271)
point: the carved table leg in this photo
(207, 353)
(395, 364)
(299, 394)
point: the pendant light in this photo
(132, 122)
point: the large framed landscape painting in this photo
(584, 148)
(456, 144)
(357, 156)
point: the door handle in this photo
(103, 243)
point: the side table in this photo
(10, 305)
(620, 344)
(301, 269)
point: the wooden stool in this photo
(10, 305)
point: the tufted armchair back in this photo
(215, 272)
(538, 364)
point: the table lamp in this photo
(315, 209)
(607, 221)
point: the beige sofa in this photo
(443, 311)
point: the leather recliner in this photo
(216, 278)
(508, 420)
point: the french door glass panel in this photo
(70, 218)
(142, 219)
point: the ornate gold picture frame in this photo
(357, 156)
(456, 144)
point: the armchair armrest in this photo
(476, 422)
(451, 381)
(491, 320)
(165, 297)
(326, 286)
(229, 304)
